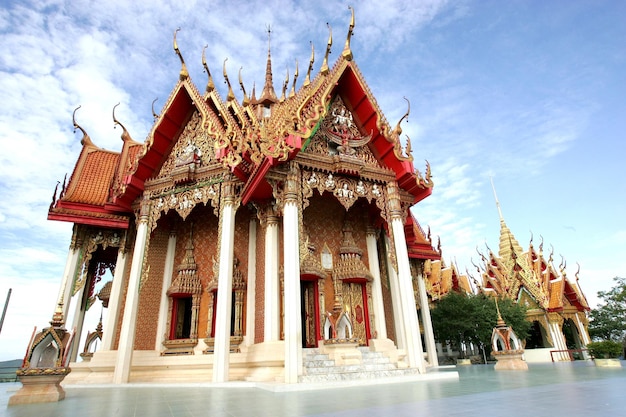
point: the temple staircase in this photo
(318, 367)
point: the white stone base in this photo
(510, 361)
(38, 389)
(608, 363)
(342, 353)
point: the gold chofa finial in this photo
(347, 52)
(86, 140)
(292, 93)
(246, 100)
(307, 80)
(398, 130)
(184, 74)
(285, 86)
(324, 70)
(231, 95)
(125, 135)
(154, 115)
(210, 84)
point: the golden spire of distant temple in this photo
(508, 243)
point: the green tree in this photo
(460, 319)
(608, 319)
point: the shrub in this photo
(605, 349)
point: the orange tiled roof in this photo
(556, 293)
(91, 181)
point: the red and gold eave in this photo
(346, 81)
(418, 244)
(105, 185)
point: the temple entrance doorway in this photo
(355, 305)
(309, 303)
(537, 337)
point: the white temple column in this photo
(113, 310)
(221, 354)
(377, 291)
(293, 313)
(168, 272)
(581, 330)
(248, 339)
(77, 322)
(429, 335)
(415, 353)
(71, 266)
(271, 325)
(394, 288)
(559, 339)
(121, 373)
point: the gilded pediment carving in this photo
(195, 148)
(340, 137)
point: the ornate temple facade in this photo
(556, 306)
(243, 232)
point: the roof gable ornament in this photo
(347, 52)
(324, 70)
(231, 94)
(86, 140)
(155, 116)
(246, 100)
(125, 135)
(307, 80)
(210, 86)
(339, 127)
(184, 74)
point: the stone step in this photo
(351, 376)
(349, 369)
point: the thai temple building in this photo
(556, 306)
(244, 236)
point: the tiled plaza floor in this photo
(554, 390)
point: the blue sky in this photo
(531, 93)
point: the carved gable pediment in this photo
(194, 149)
(340, 135)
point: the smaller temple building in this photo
(556, 306)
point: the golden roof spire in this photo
(324, 70)
(347, 52)
(307, 80)
(210, 84)
(86, 140)
(509, 246)
(184, 74)
(246, 100)
(268, 94)
(295, 78)
(125, 135)
(231, 95)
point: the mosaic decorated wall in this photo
(150, 294)
(259, 297)
(324, 221)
